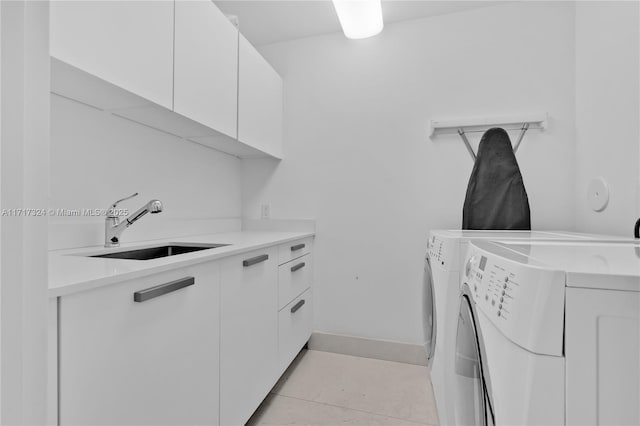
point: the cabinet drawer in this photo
(293, 278)
(293, 250)
(294, 322)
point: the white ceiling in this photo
(270, 21)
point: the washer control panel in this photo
(501, 291)
(434, 249)
(526, 303)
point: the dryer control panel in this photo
(524, 301)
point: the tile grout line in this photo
(353, 409)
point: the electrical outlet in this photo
(265, 211)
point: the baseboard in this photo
(369, 348)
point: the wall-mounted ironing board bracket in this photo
(482, 124)
(524, 129)
(463, 136)
(466, 143)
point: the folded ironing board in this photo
(496, 197)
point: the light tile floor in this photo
(323, 388)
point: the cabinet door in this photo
(259, 101)
(248, 333)
(206, 66)
(602, 347)
(145, 363)
(127, 43)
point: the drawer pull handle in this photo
(162, 289)
(297, 306)
(298, 247)
(298, 266)
(255, 260)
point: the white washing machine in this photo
(445, 254)
(548, 333)
(441, 290)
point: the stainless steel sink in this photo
(158, 251)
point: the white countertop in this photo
(71, 271)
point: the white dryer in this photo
(445, 255)
(548, 333)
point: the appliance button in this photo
(503, 292)
(498, 313)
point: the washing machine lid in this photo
(467, 235)
(600, 264)
(446, 246)
(523, 235)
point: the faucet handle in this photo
(113, 206)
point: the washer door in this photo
(429, 311)
(472, 402)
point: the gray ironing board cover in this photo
(496, 197)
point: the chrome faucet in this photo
(113, 227)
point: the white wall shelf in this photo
(484, 123)
(462, 126)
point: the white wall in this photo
(24, 171)
(358, 158)
(608, 113)
(97, 158)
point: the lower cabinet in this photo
(199, 345)
(142, 352)
(602, 329)
(248, 333)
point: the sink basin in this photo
(158, 251)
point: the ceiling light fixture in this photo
(359, 18)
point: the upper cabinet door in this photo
(127, 43)
(259, 102)
(206, 66)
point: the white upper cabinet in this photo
(206, 66)
(259, 102)
(126, 43)
(180, 67)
